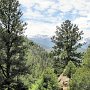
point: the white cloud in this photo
(42, 21)
(39, 29)
(81, 5)
(82, 22)
(86, 33)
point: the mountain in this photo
(45, 42)
(85, 46)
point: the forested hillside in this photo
(40, 65)
(24, 65)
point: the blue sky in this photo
(43, 16)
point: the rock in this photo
(63, 81)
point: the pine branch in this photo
(3, 71)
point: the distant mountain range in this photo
(45, 42)
(85, 46)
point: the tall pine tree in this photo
(66, 44)
(12, 44)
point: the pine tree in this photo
(12, 44)
(70, 69)
(81, 78)
(49, 80)
(66, 44)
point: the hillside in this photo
(37, 59)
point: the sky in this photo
(42, 16)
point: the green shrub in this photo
(70, 69)
(81, 79)
(49, 80)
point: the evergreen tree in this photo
(70, 69)
(66, 44)
(81, 78)
(12, 44)
(39, 60)
(49, 80)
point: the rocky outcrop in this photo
(63, 82)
